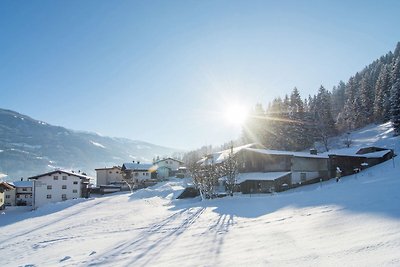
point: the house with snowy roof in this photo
(110, 176)
(167, 167)
(141, 174)
(59, 185)
(263, 170)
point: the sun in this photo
(235, 114)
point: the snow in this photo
(3, 175)
(354, 222)
(138, 166)
(22, 183)
(260, 176)
(97, 144)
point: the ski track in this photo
(150, 241)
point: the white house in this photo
(139, 172)
(23, 193)
(57, 186)
(167, 167)
(109, 176)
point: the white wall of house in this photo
(23, 192)
(106, 176)
(165, 166)
(9, 197)
(141, 175)
(56, 187)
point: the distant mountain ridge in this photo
(29, 147)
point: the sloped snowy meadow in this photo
(355, 222)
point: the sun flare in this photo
(235, 114)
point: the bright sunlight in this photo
(235, 114)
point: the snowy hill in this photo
(29, 147)
(355, 222)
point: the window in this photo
(74, 191)
(24, 189)
(64, 177)
(116, 172)
(136, 174)
(8, 196)
(75, 182)
(55, 177)
(64, 187)
(64, 196)
(49, 187)
(147, 174)
(48, 196)
(110, 172)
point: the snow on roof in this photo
(377, 154)
(221, 156)
(80, 175)
(286, 153)
(7, 186)
(260, 176)
(168, 159)
(22, 183)
(351, 153)
(137, 166)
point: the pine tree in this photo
(325, 125)
(382, 95)
(366, 101)
(338, 99)
(395, 97)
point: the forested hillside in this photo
(292, 123)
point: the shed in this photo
(263, 182)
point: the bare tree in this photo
(128, 179)
(229, 169)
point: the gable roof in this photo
(109, 168)
(6, 186)
(168, 159)
(81, 176)
(137, 166)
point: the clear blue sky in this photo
(161, 71)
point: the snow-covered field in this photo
(355, 222)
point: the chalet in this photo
(265, 170)
(110, 177)
(58, 186)
(167, 167)
(141, 174)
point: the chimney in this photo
(22, 178)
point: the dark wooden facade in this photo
(250, 161)
(266, 186)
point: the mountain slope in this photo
(355, 222)
(29, 147)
